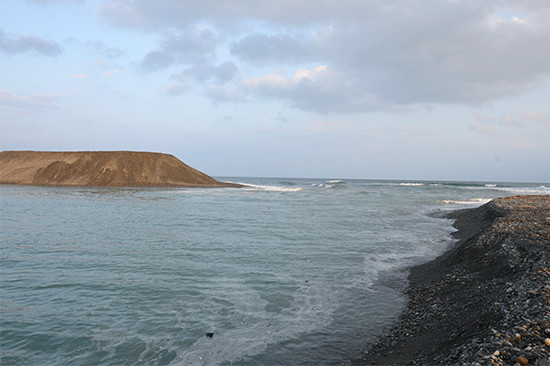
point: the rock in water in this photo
(101, 169)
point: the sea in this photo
(282, 272)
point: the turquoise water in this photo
(287, 272)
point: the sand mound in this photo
(100, 169)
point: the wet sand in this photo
(484, 302)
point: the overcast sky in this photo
(449, 90)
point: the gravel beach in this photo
(484, 302)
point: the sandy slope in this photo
(100, 169)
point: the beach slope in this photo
(486, 301)
(101, 169)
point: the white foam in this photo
(255, 328)
(524, 190)
(411, 184)
(515, 190)
(259, 187)
(336, 181)
(467, 202)
(321, 185)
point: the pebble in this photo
(522, 361)
(513, 324)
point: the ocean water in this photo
(286, 272)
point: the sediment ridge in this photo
(484, 302)
(101, 169)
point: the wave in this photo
(523, 190)
(335, 181)
(502, 187)
(323, 185)
(259, 187)
(411, 184)
(467, 202)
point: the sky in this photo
(371, 89)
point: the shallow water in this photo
(289, 271)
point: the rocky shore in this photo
(486, 301)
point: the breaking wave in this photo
(472, 201)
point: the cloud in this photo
(279, 48)
(508, 120)
(79, 76)
(22, 104)
(111, 73)
(520, 144)
(104, 50)
(194, 46)
(49, 2)
(221, 95)
(144, 14)
(178, 89)
(483, 129)
(319, 89)
(483, 118)
(484, 122)
(220, 74)
(386, 56)
(21, 44)
(537, 117)
(225, 72)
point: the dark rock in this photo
(490, 292)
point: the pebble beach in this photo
(484, 302)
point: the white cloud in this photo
(111, 73)
(320, 89)
(101, 48)
(520, 144)
(508, 120)
(537, 117)
(79, 76)
(145, 14)
(220, 95)
(21, 104)
(11, 44)
(483, 129)
(204, 72)
(483, 117)
(178, 89)
(278, 48)
(194, 46)
(49, 2)
(386, 56)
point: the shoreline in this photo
(486, 301)
(220, 185)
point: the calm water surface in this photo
(287, 272)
